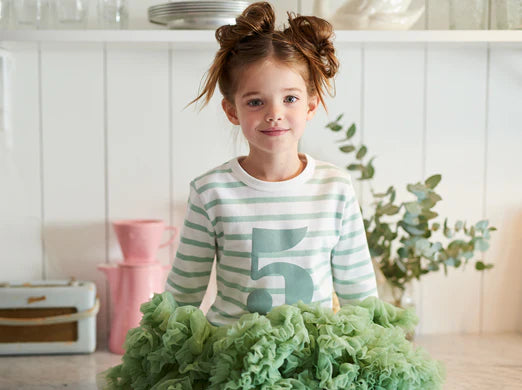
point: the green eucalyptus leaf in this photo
(422, 244)
(376, 251)
(409, 242)
(413, 208)
(355, 167)
(392, 197)
(472, 231)
(482, 225)
(403, 252)
(427, 203)
(347, 148)
(411, 219)
(331, 124)
(366, 173)
(413, 230)
(335, 127)
(339, 117)
(417, 272)
(432, 266)
(435, 226)
(441, 256)
(435, 197)
(361, 153)
(390, 236)
(383, 194)
(450, 262)
(429, 252)
(480, 266)
(457, 244)
(431, 200)
(432, 181)
(437, 247)
(351, 131)
(429, 214)
(481, 244)
(418, 190)
(401, 265)
(371, 169)
(390, 209)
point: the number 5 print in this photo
(298, 282)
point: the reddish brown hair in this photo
(306, 44)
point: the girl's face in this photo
(272, 107)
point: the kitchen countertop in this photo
(492, 361)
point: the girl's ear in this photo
(230, 111)
(313, 104)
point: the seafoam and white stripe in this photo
(226, 204)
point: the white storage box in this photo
(48, 317)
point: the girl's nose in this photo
(274, 113)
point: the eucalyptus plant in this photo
(399, 234)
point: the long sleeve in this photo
(352, 270)
(190, 273)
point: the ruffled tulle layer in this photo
(363, 346)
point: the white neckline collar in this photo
(284, 185)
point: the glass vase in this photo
(403, 298)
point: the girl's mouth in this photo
(274, 131)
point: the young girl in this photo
(283, 227)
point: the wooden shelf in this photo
(206, 37)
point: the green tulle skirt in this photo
(363, 346)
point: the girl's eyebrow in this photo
(249, 94)
(257, 93)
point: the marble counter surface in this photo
(472, 362)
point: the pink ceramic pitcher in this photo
(140, 238)
(130, 286)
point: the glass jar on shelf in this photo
(468, 14)
(5, 14)
(508, 14)
(70, 14)
(30, 14)
(113, 14)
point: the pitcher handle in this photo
(172, 238)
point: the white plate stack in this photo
(196, 14)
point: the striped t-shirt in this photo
(274, 242)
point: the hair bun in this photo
(256, 19)
(259, 18)
(314, 38)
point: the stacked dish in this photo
(196, 14)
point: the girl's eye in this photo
(254, 103)
(291, 99)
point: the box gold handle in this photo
(52, 319)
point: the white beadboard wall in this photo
(101, 133)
